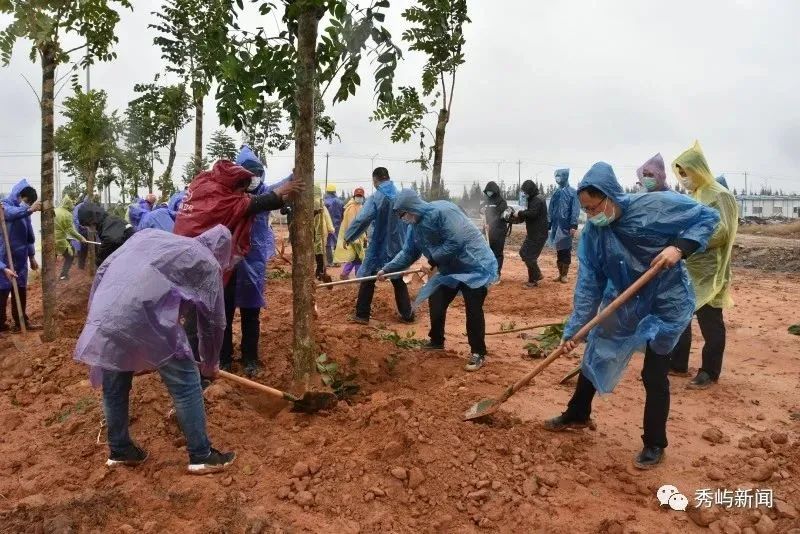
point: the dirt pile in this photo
(397, 457)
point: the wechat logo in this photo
(669, 495)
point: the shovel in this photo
(368, 278)
(487, 407)
(569, 376)
(310, 402)
(521, 329)
(10, 263)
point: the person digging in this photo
(465, 264)
(626, 235)
(139, 295)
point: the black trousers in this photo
(497, 242)
(68, 257)
(320, 265)
(473, 302)
(251, 325)
(82, 253)
(366, 290)
(4, 300)
(534, 273)
(712, 326)
(564, 256)
(656, 405)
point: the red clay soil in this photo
(397, 457)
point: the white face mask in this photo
(686, 182)
(255, 181)
(358, 200)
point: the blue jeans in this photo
(182, 379)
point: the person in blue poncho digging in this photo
(464, 262)
(626, 235)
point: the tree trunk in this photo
(438, 154)
(304, 348)
(170, 163)
(198, 127)
(48, 215)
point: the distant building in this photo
(769, 206)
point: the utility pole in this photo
(372, 168)
(498, 170)
(327, 155)
(519, 174)
(745, 184)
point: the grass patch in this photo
(83, 405)
(406, 342)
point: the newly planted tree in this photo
(194, 38)
(46, 23)
(89, 138)
(438, 32)
(298, 66)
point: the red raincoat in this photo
(215, 197)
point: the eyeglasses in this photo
(592, 210)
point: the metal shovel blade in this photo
(480, 409)
(313, 401)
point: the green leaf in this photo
(795, 329)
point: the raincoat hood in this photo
(67, 203)
(494, 188)
(602, 176)
(408, 200)
(722, 181)
(655, 166)
(90, 214)
(694, 164)
(174, 202)
(529, 188)
(218, 241)
(562, 177)
(248, 159)
(13, 195)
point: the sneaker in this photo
(411, 319)
(251, 369)
(431, 346)
(358, 320)
(131, 457)
(213, 463)
(649, 457)
(703, 380)
(476, 361)
(530, 285)
(562, 422)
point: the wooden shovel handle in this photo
(604, 314)
(255, 385)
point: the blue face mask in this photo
(601, 219)
(489, 194)
(523, 196)
(649, 184)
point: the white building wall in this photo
(769, 206)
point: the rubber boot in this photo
(560, 271)
(564, 270)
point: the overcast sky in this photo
(548, 83)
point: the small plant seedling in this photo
(343, 386)
(545, 342)
(278, 274)
(505, 327)
(82, 406)
(408, 341)
(795, 329)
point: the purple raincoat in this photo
(137, 210)
(20, 235)
(140, 293)
(160, 218)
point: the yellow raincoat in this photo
(710, 270)
(355, 251)
(64, 227)
(323, 225)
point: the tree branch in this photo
(84, 45)
(444, 89)
(452, 90)
(32, 89)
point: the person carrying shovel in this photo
(626, 235)
(18, 207)
(133, 326)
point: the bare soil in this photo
(397, 457)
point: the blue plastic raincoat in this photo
(137, 210)
(336, 210)
(20, 236)
(81, 229)
(141, 291)
(722, 181)
(449, 240)
(252, 270)
(614, 256)
(160, 218)
(388, 232)
(563, 212)
(175, 201)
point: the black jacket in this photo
(495, 206)
(112, 232)
(535, 219)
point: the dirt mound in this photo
(396, 456)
